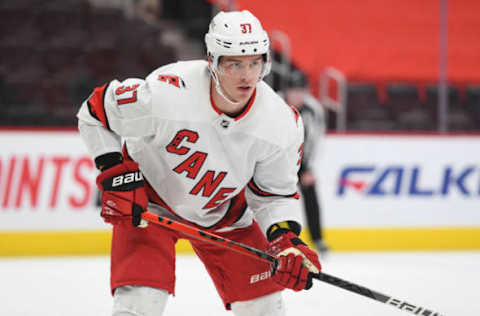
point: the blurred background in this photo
(395, 84)
(408, 65)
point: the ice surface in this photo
(443, 281)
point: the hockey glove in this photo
(123, 193)
(296, 262)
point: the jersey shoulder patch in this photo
(181, 75)
(174, 80)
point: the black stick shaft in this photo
(267, 258)
(361, 290)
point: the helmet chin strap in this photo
(219, 89)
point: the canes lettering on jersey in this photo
(209, 182)
(173, 146)
(192, 164)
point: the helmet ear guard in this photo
(267, 65)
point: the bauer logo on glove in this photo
(127, 178)
(123, 194)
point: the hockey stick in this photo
(267, 258)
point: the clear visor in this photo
(238, 68)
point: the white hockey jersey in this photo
(196, 158)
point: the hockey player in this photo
(203, 139)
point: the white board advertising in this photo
(47, 182)
(399, 180)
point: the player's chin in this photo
(242, 98)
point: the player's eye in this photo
(256, 63)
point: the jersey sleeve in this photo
(115, 110)
(272, 192)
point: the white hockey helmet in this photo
(237, 33)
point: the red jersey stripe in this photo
(255, 189)
(295, 113)
(96, 104)
(244, 110)
(248, 107)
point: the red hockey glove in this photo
(296, 262)
(123, 193)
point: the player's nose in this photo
(248, 75)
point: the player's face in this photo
(238, 76)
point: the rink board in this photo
(379, 192)
(71, 243)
